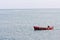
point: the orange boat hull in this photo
(42, 28)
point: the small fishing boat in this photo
(43, 28)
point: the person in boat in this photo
(48, 26)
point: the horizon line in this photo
(27, 8)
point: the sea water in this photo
(17, 24)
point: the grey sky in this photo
(21, 4)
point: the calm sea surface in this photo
(18, 24)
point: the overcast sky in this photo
(23, 4)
